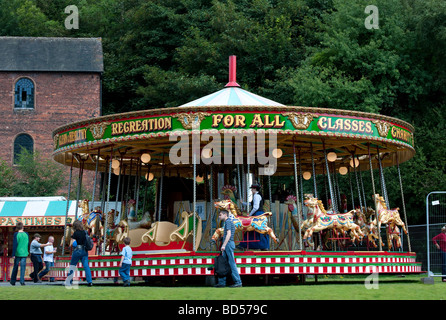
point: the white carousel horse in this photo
(323, 220)
(391, 218)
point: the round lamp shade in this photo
(306, 175)
(145, 157)
(331, 156)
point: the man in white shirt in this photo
(48, 258)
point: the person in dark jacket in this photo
(79, 253)
(36, 257)
(19, 253)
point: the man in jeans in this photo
(48, 258)
(36, 257)
(19, 253)
(228, 250)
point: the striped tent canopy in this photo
(43, 206)
(232, 96)
(37, 208)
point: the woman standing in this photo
(79, 252)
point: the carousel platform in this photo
(252, 263)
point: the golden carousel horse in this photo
(385, 215)
(91, 220)
(244, 223)
(113, 231)
(368, 225)
(323, 220)
(391, 218)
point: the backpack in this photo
(221, 266)
(88, 242)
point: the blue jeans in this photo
(48, 265)
(82, 255)
(124, 271)
(15, 269)
(229, 254)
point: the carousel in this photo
(209, 155)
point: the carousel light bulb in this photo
(149, 176)
(343, 170)
(199, 179)
(306, 175)
(331, 156)
(277, 153)
(115, 164)
(145, 157)
(355, 163)
(206, 153)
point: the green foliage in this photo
(7, 179)
(37, 176)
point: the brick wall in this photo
(59, 98)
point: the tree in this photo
(37, 176)
(7, 179)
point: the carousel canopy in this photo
(232, 96)
(307, 132)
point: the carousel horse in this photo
(112, 230)
(132, 217)
(292, 211)
(306, 224)
(323, 220)
(244, 223)
(368, 225)
(145, 222)
(67, 236)
(91, 220)
(228, 194)
(393, 234)
(131, 214)
(386, 216)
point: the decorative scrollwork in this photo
(191, 120)
(300, 121)
(98, 129)
(382, 126)
(55, 140)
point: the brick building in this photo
(46, 83)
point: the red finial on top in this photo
(232, 72)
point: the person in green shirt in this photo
(19, 253)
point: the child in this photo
(126, 262)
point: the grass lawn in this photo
(327, 288)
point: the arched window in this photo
(24, 94)
(22, 141)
